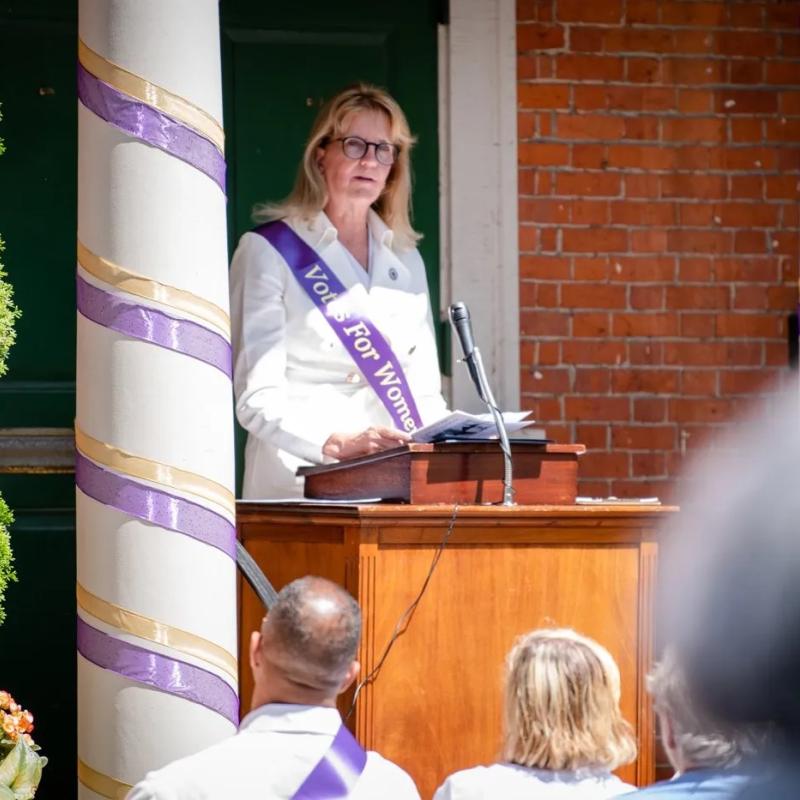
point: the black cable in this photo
(405, 618)
(255, 577)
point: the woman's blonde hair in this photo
(562, 704)
(310, 194)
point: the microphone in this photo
(460, 320)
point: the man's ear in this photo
(350, 676)
(255, 650)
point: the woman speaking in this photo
(334, 350)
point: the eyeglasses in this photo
(355, 147)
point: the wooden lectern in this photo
(451, 472)
(435, 706)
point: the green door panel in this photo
(38, 221)
(37, 640)
(38, 186)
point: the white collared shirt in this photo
(513, 782)
(275, 749)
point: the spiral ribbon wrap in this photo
(141, 629)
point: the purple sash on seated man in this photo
(336, 772)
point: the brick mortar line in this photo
(656, 26)
(623, 83)
(659, 54)
(653, 339)
(654, 145)
(659, 173)
(653, 27)
(764, 116)
(659, 227)
(613, 113)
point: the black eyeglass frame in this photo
(395, 150)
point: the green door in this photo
(38, 222)
(281, 60)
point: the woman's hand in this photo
(372, 440)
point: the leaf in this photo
(28, 778)
(11, 764)
(6, 793)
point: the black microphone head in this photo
(458, 312)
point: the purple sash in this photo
(362, 339)
(337, 772)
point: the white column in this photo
(149, 414)
(480, 244)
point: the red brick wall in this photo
(659, 177)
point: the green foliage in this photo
(9, 313)
(7, 573)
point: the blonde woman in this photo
(564, 732)
(334, 351)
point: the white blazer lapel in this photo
(387, 271)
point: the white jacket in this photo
(294, 381)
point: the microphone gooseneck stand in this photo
(460, 319)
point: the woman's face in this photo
(360, 181)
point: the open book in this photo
(461, 425)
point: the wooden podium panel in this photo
(435, 707)
(451, 472)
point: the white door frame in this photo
(479, 195)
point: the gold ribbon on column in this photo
(159, 98)
(155, 631)
(127, 280)
(154, 471)
(101, 784)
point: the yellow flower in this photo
(10, 727)
(5, 700)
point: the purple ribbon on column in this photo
(156, 506)
(360, 336)
(161, 672)
(336, 773)
(151, 325)
(150, 125)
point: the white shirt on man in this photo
(514, 782)
(275, 749)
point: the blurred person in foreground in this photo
(730, 593)
(711, 758)
(564, 731)
(293, 743)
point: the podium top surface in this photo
(450, 446)
(380, 512)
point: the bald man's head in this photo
(311, 634)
